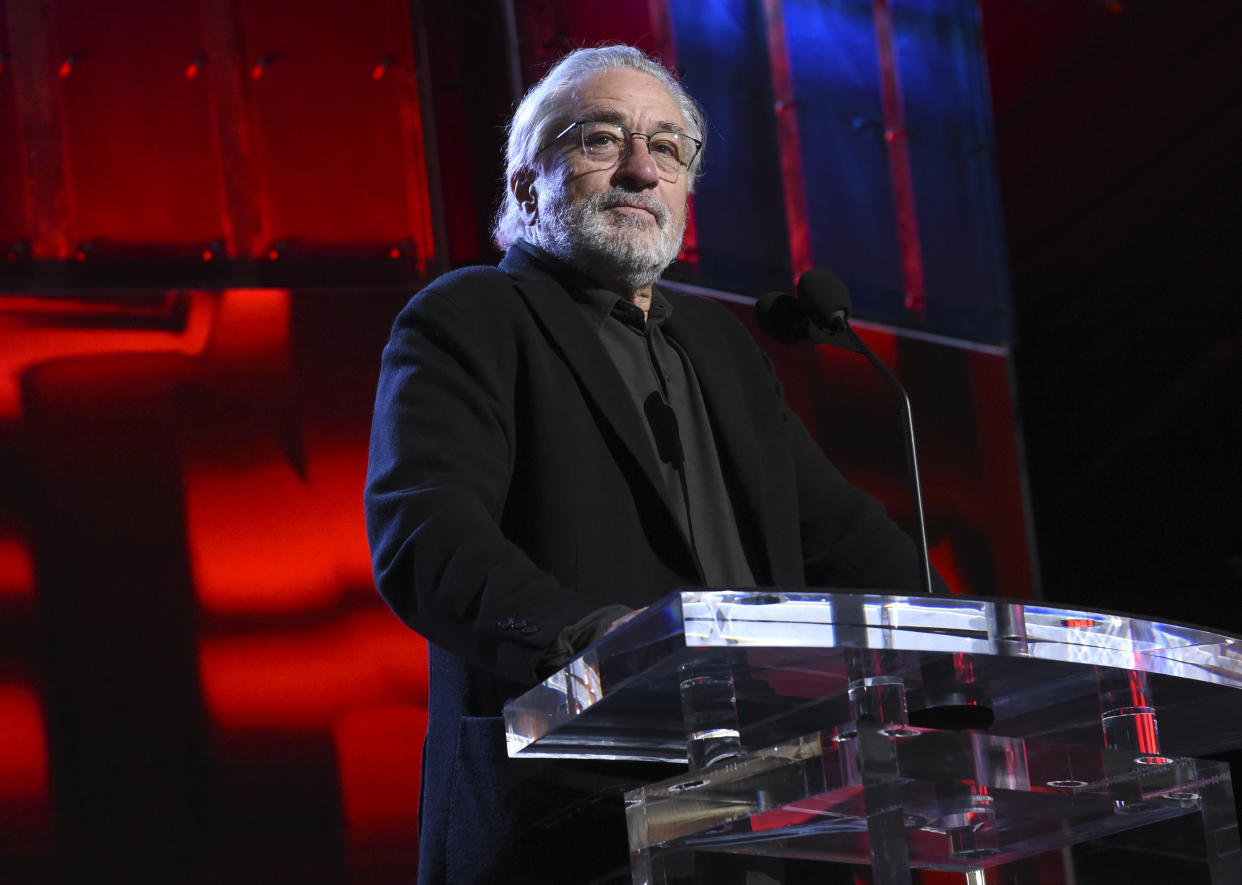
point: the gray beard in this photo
(614, 248)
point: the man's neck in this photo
(640, 297)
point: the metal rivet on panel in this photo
(195, 65)
(260, 67)
(381, 69)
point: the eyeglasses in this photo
(606, 144)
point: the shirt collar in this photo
(597, 302)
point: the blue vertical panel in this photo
(743, 238)
(940, 62)
(939, 47)
(739, 204)
(849, 195)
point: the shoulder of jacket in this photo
(466, 290)
(705, 309)
(471, 282)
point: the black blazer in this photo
(512, 490)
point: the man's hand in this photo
(621, 620)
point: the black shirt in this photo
(665, 390)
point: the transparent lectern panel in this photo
(1028, 670)
(937, 733)
(969, 800)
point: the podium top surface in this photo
(1037, 667)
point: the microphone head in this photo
(825, 298)
(781, 317)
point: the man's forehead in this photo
(622, 95)
(601, 113)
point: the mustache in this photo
(614, 197)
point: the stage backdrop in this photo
(209, 215)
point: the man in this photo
(558, 443)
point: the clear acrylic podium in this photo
(904, 732)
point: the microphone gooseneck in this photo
(820, 313)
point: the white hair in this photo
(536, 115)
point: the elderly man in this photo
(558, 443)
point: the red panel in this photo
(148, 140)
(139, 144)
(12, 193)
(552, 29)
(298, 543)
(800, 253)
(16, 567)
(35, 330)
(336, 111)
(259, 436)
(944, 559)
(307, 679)
(899, 160)
(379, 770)
(298, 546)
(23, 765)
(25, 800)
(39, 120)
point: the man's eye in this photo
(600, 139)
(666, 146)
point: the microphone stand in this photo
(840, 334)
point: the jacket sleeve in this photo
(440, 464)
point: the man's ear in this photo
(522, 186)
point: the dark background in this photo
(1115, 141)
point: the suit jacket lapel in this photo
(573, 336)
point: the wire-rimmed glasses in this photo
(605, 144)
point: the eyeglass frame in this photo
(629, 141)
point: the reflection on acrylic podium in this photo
(907, 732)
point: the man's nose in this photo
(638, 168)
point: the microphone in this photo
(825, 299)
(789, 320)
(663, 422)
(781, 317)
(820, 313)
